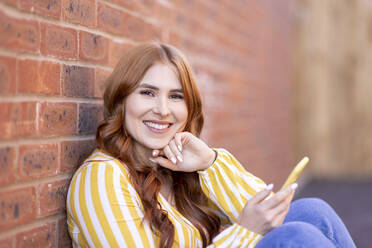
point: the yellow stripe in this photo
(98, 208)
(85, 211)
(238, 206)
(227, 235)
(133, 210)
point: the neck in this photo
(143, 154)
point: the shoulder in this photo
(102, 161)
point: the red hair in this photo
(112, 137)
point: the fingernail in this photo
(180, 148)
(294, 186)
(154, 153)
(152, 160)
(179, 158)
(174, 161)
(270, 186)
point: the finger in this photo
(279, 197)
(282, 207)
(178, 141)
(166, 163)
(260, 196)
(174, 149)
(169, 154)
(155, 153)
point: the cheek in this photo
(182, 114)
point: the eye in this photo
(147, 93)
(176, 96)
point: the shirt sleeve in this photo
(230, 186)
(235, 236)
(107, 209)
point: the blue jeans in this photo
(310, 222)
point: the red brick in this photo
(116, 51)
(17, 207)
(93, 48)
(7, 75)
(73, 153)
(19, 35)
(77, 81)
(53, 197)
(7, 242)
(143, 7)
(57, 118)
(80, 11)
(139, 30)
(41, 236)
(17, 119)
(64, 240)
(10, 2)
(7, 165)
(121, 23)
(36, 161)
(100, 86)
(89, 117)
(38, 77)
(110, 19)
(51, 8)
(129, 4)
(59, 41)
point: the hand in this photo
(185, 152)
(260, 215)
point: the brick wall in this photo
(56, 54)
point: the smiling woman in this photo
(156, 110)
(153, 182)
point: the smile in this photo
(156, 126)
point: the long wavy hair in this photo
(113, 138)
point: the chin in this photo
(157, 143)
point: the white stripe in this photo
(247, 177)
(204, 179)
(244, 193)
(232, 187)
(78, 212)
(125, 211)
(134, 196)
(233, 210)
(106, 203)
(225, 232)
(253, 242)
(245, 243)
(178, 226)
(91, 211)
(229, 241)
(239, 238)
(75, 234)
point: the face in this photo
(156, 110)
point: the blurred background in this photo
(280, 80)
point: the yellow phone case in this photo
(296, 172)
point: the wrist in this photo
(211, 158)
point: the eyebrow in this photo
(149, 86)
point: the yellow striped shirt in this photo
(104, 210)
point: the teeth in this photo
(155, 125)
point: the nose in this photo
(161, 108)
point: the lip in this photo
(155, 130)
(159, 122)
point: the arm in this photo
(229, 185)
(107, 209)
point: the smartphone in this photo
(296, 172)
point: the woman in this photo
(153, 183)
